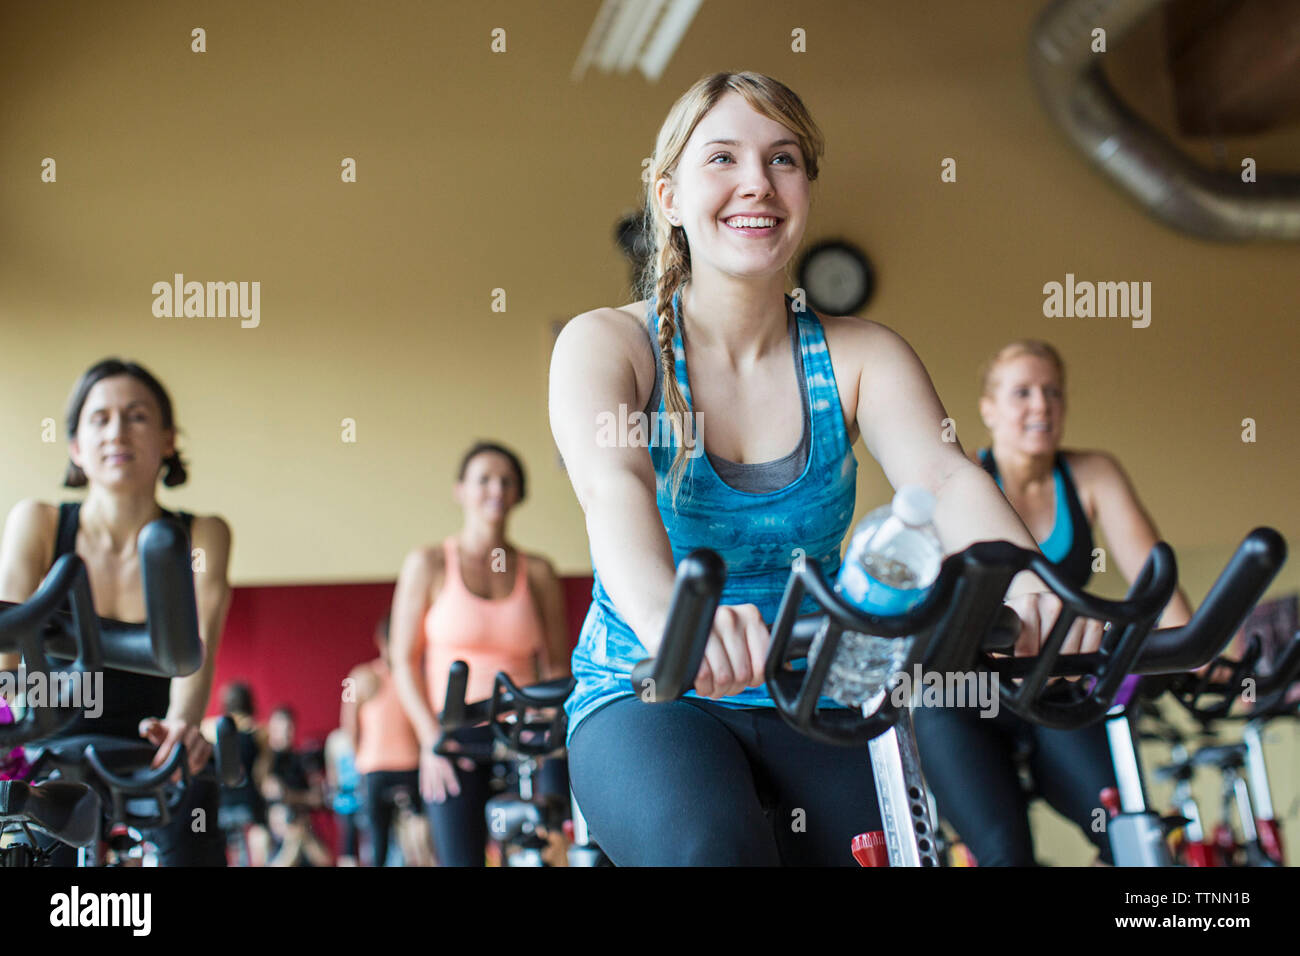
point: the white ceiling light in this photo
(640, 33)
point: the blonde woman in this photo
(969, 761)
(780, 396)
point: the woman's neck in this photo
(118, 515)
(1019, 471)
(480, 538)
(741, 320)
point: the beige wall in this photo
(481, 171)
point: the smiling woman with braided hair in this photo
(780, 395)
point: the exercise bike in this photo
(527, 727)
(91, 792)
(959, 627)
(1210, 699)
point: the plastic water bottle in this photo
(894, 556)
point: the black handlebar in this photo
(1207, 697)
(696, 592)
(1238, 589)
(956, 626)
(22, 629)
(59, 622)
(509, 712)
(167, 644)
(118, 770)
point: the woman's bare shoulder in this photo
(623, 327)
(540, 568)
(33, 522)
(854, 335)
(613, 334)
(1090, 465)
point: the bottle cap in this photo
(914, 505)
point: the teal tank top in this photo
(759, 536)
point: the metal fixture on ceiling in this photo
(635, 33)
(1141, 160)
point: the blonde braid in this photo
(672, 268)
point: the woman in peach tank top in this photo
(387, 749)
(475, 597)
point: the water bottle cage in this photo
(952, 628)
(798, 694)
(27, 629)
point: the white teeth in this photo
(750, 222)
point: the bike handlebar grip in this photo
(453, 710)
(643, 672)
(1247, 575)
(1003, 634)
(696, 593)
(1285, 669)
(35, 626)
(146, 781)
(168, 643)
(226, 753)
(171, 609)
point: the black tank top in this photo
(127, 698)
(1076, 566)
(246, 794)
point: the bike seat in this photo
(67, 811)
(1178, 770)
(1225, 755)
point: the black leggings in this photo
(694, 783)
(968, 763)
(381, 789)
(459, 824)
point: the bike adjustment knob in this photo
(870, 849)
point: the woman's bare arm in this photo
(591, 376)
(550, 597)
(1128, 529)
(902, 423)
(25, 551)
(406, 639)
(211, 544)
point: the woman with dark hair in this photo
(292, 791)
(121, 438)
(477, 598)
(968, 759)
(243, 808)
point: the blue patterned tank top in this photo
(759, 536)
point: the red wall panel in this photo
(295, 644)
